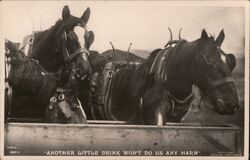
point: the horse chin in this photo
(225, 109)
(78, 120)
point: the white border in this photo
(244, 4)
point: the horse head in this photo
(65, 108)
(215, 74)
(74, 44)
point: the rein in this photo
(222, 81)
(69, 57)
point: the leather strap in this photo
(185, 100)
(76, 53)
(63, 90)
(222, 81)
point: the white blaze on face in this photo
(80, 32)
(223, 58)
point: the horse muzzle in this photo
(81, 75)
(226, 107)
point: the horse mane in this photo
(42, 39)
(26, 72)
(145, 67)
(14, 51)
(97, 61)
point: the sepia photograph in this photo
(103, 79)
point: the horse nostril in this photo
(232, 106)
(219, 106)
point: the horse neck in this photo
(181, 71)
(45, 49)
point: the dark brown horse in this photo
(155, 92)
(63, 43)
(197, 63)
(104, 66)
(67, 42)
(31, 89)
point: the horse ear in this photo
(85, 16)
(220, 38)
(204, 34)
(89, 39)
(231, 61)
(65, 12)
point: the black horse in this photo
(196, 63)
(31, 91)
(161, 88)
(60, 44)
(104, 66)
(105, 69)
(67, 42)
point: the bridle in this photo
(69, 57)
(214, 84)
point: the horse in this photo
(104, 65)
(199, 63)
(161, 89)
(67, 42)
(33, 89)
(63, 43)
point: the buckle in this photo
(53, 100)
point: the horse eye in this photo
(74, 107)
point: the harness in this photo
(69, 57)
(221, 81)
(107, 108)
(59, 100)
(8, 88)
(180, 105)
(161, 76)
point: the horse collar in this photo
(185, 100)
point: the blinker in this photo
(61, 97)
(52, 100)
